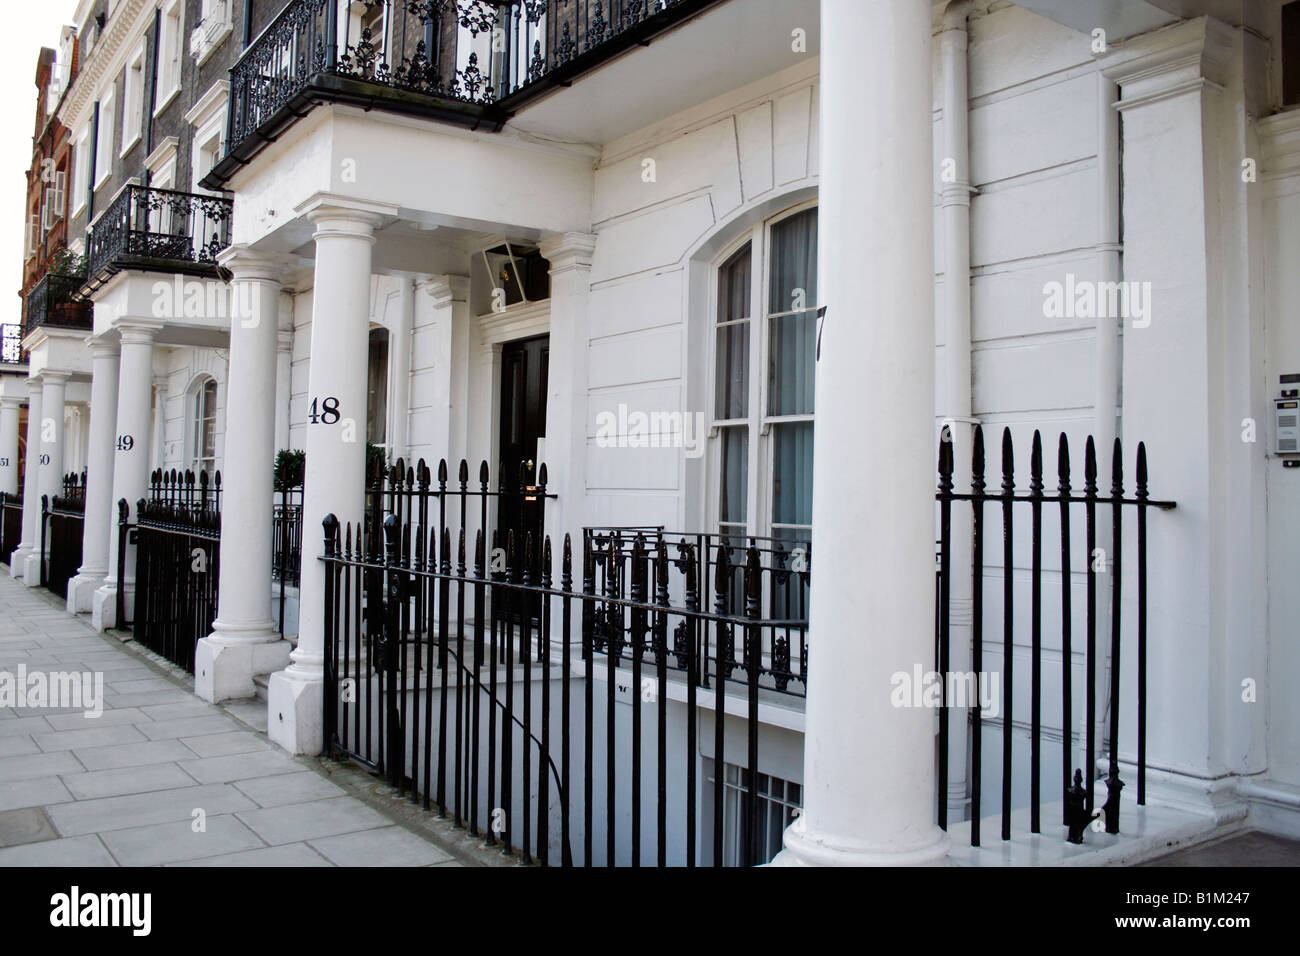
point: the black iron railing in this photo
(286, 542)
(1101, 569)
(11, 344)
(785, 570)
(532, 703)
(160, 230)
(62, 526)
(11, 524)
(56, 301)
(471, 62)
(178, 538)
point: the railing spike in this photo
(1063, 463)
(463, 473)
(1142, 469)
(442, 471)
(1090, 465)
(1117, 469)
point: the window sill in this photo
(166, 100)
(207, 39)
(129, 145)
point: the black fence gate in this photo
(553, 733)
(62, 524)
(1100, 570)
(11, 524)
(178, 537)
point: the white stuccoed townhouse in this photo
(566, 232)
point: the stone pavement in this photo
(160, 777)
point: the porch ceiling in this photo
(729, 46)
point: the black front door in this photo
(523, 421)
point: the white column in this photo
(283, 371)
(336, 454)
(100, 523)
(399, 365)
(131, 458)
(31, 541)
(10, 412)
(49, 474)
(566, 402)
(868, 765)
(245, 641)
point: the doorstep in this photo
(1145, 833)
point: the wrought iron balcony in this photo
(55, 301)
(471, 62)
(158, 230)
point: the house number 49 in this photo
(125, 442)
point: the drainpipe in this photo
(248, 23)
(1106, 397)
(400, 365)
(94, 161)
(955, 201)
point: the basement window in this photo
(777, 802)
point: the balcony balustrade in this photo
(158, 230)
(55, 301)
(471, 62)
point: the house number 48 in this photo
(324, 411)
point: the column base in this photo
(804, 849)
(31, 569)
(294, 712)
(81, 592)
(103, 607)
(1217, 797)
(18, 562)
(225, 665)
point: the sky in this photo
(31, 26)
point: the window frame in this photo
(197, 420)
(759, 492)
(104, 142)
(134, 83)
(171, 54)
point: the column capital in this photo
(137, 331)
(10, 402)
(55, 376)
(342, 216)
(34, 384)
(445, 289)
(247, 264)
(1183, 58)
(568, 250)
(102, 346)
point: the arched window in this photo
(765, 341)
(204, 431)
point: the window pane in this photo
(793, 339)
(733, 286)
(732, 381)
(793, 279)
(792, 460)
(377, 387)
(734, 475)
(792, 364)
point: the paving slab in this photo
(390, 846)
(172, 842)
(127, 787)
(308, 821)
(28, 825)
